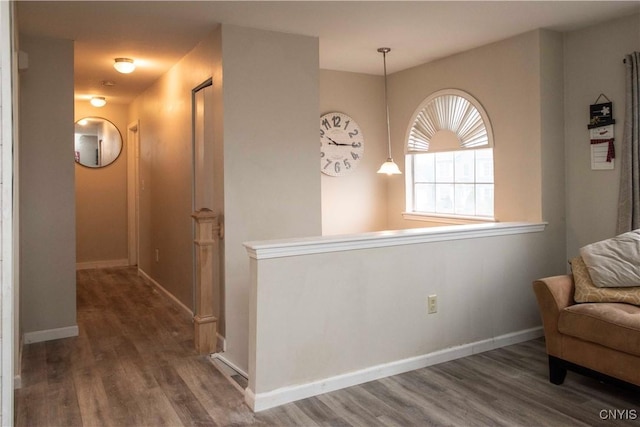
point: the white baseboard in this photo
(50, 334)
(148, 278)
(261, 401)
(102, 264)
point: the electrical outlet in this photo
(157, 255)
(432, 304)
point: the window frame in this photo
(410, 184)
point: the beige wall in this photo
(101, 196)
(271, 151)
(552, 141)
(47, 202)
(266, 177)
(164, 112)
(356, 203)
(504, 78)
(593, 65)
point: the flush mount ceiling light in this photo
(98, 101)
(389, 167)
(124, 65)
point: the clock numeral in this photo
(355, 156)
(336, 121)
(321, 133)
(347, 164)
(327, 164)
(321, 154)
(356, 144)
(346, 124)
(336, 167)
(353, 133)
(326, 124)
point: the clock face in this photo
(341, 144)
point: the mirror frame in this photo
(119, 135)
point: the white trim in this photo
(148, 278)
(316, 245)
(50, 334)
(8, 202)
(102, 264)
(261, 401)
(133, 151)
(223, 359)
(17, 382)
(222, 342)
(446, 219)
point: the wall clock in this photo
(341, 144)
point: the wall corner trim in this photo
(50, 334)
(270, 399)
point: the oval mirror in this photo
(98, 142)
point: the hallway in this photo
(132, 364)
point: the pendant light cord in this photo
(384, 51)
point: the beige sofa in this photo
(599, 339)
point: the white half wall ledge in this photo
(378, 239)
(50, 334)
(262, 401)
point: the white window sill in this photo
(446, 219)
(323, 244)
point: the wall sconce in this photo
(389, 167)
(124, 65)
(98, 101)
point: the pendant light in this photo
(389, 167)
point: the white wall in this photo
(47, 202)
(8, 112)
(356, 203)
(593, 65)
(338, 318)
(271, 152)
(101, 197)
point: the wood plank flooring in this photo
(133, 364)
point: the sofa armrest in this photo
(553, 294)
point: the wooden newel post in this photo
(207, 268)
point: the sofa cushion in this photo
(612, 325)
(586, 291)
(615, 262)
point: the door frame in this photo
(133, 192)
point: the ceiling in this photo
(158, 34)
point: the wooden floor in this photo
(133, 365)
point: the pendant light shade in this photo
(124, 65)
(389, 167)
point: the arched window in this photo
(449, 158)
